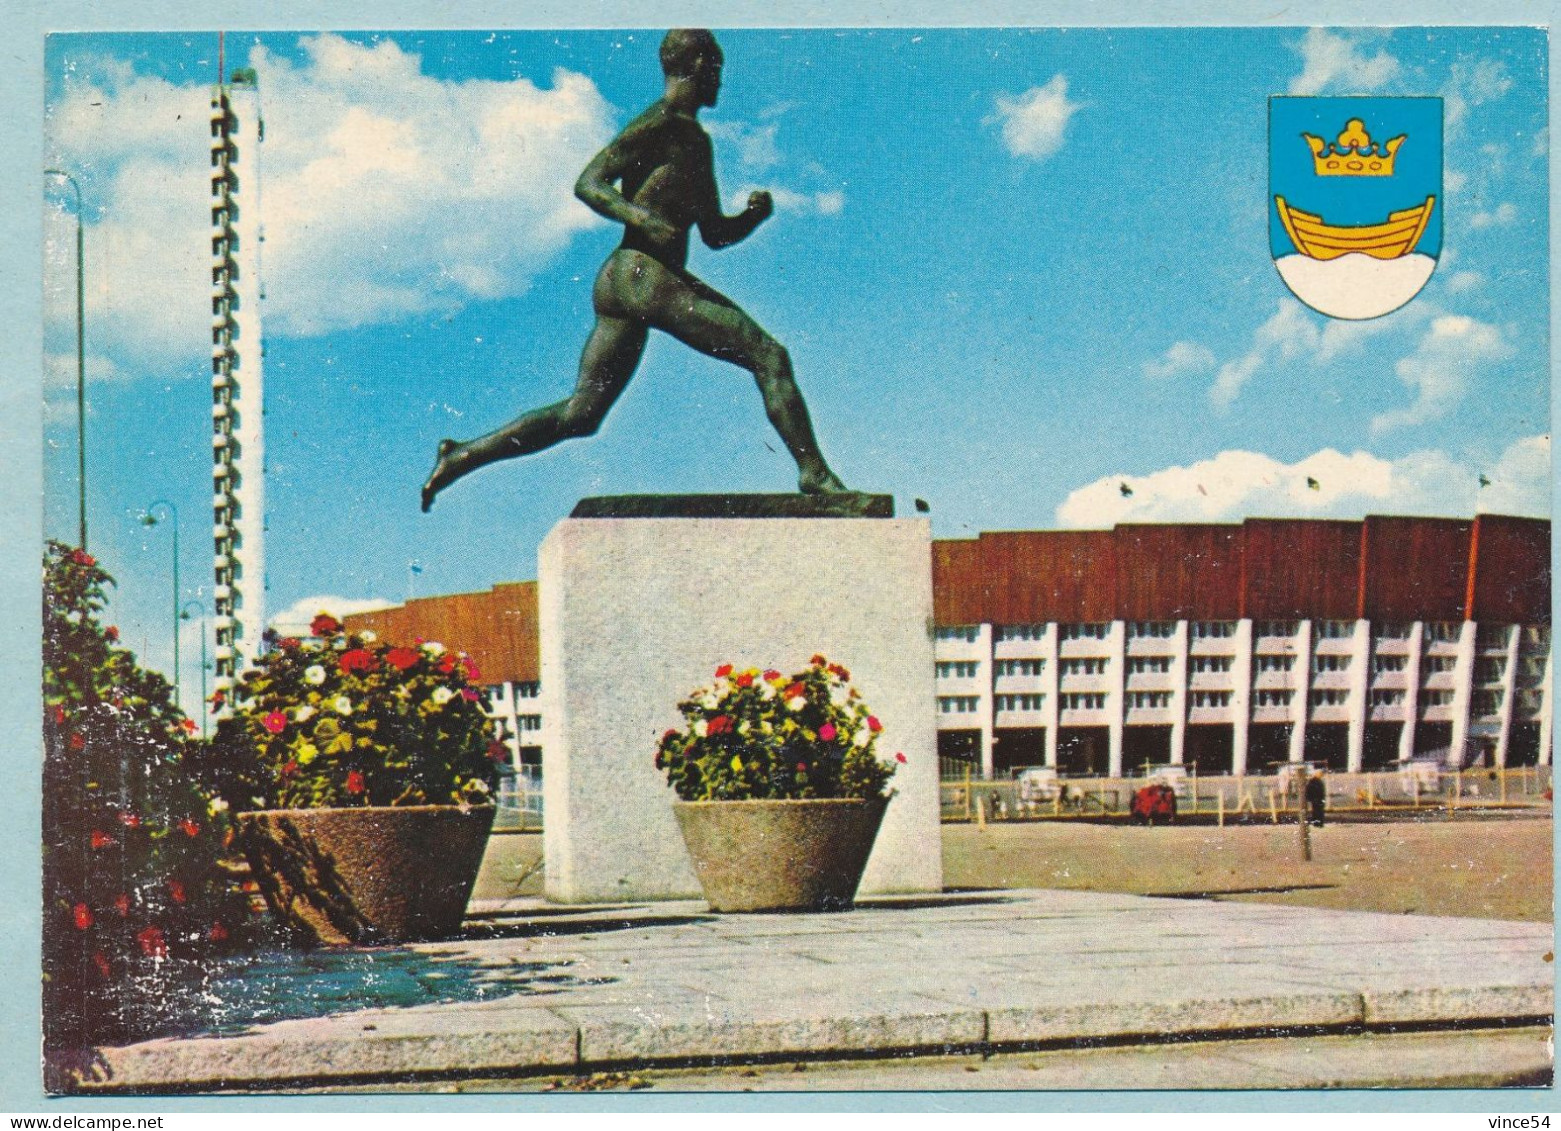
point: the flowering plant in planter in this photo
(345, 720)
(762, 736)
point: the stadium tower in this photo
(237, 406)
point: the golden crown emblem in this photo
(1353, 155)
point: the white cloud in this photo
(1235, 485)
(1459, 282)
(294, 620)
(1438, 371)
(1182, 357)
(789, 200)
(1287, 335)
(1504, 213)
(387, 192)
(1332, 60)
(755, 145)
(1485, 81)
(1034, 124)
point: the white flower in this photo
(796, 703)
(709, 701)
(839, 695)
(342, 705)
(314, 674)
(303, 714)
(433, 648)
(367, 636)
(766, 691)
(216, 805)
(702, 728)
(863, 737)
(442, 695)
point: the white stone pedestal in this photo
(638, 612)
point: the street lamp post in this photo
(149, 518)
(81, 361)
(184, 614)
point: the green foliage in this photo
(344, 720)
(761, 736)
(135, 897)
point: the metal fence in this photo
(1260, 796)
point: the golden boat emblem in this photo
(1319, 240)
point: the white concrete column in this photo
(1463, 694)
(1406, 737)
(1241, 698)
(1301, 705)
(1509, 694)
(1545, 731)
(1116, 696)
(986, 704)
(1179, 678)
(1051, 687)
(1360, 694)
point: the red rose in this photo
(100, 960)
(873, 724)
(723, 671)
(288, 643)
(324, 625)
(469, 695)
(827, 732)
(471, 669)
(153, 944)
(81, 557)
(289, 768)
(189, 827)
(122, 905)
(401, 658)
(59, 715)
(355, 782)
(818, 661)
(101, 839)
(840, 671)
(357, 660)
(218, 933)
(83, 916)
(721, 724)
(446, 664)
(176, 890)
(111, 634)
(795, 690)
(900, 758)
(745, 680)
(275, 722)
(188, 724)
(771, 675)
(802, 767)
(130, 820)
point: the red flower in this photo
(111, 634)
(827, 732)
(668, 737)
(794, 690)
(358, 660)
(189, 827)
(218, 698)
(818, 661)
(469, 695)
(288, 643)
(840, 671)
(497, 751)
(153, 944)
(188, 724)
(176, 890)
(59, 715)
(401, 658)
(81, 557)
(77, 742)
(122, 905)
(900, 758)
(130, 820)
(745, 680)
(721, 724)
(355, 782)
(471, 669)
(723, 671)
(324, 625)
(275, 722)
(289, 768)
(802, 767)
(101, 839)
(218, 933)
(447, 664)
(100, 960)
(772, 674)
(83, 916)
(873, 724)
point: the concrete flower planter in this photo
(338, 877)
(780, 855)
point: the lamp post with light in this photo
(184, 614)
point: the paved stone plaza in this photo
(532, 988)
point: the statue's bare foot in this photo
(826, 483)
(441, 476)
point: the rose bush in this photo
(759, 735)
(137, 899)
(344, 720)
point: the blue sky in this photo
(1014, 269)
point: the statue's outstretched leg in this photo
(702, 317)
(608, 361)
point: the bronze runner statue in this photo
(663, 162)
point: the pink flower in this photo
(900, 758)
(275, 722)
(827, 732)
(130, 820)
(873, 724)
(469, 695)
